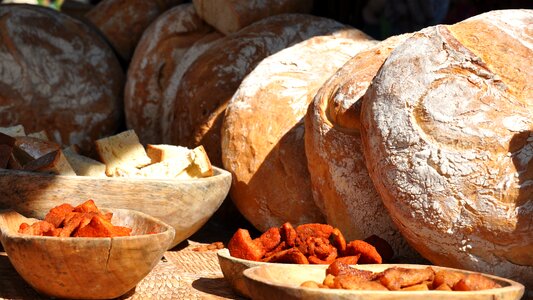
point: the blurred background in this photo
(378, 18)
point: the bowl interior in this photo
(72, 267)
(283, 282)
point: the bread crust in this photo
(263, 130)
(57, 74)
(447, 132)
(229, 16)
(123, 21)
(157, 56)
(341, 185)
(196, 102)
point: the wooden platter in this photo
(278, 281)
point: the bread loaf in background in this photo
(263, 130)
(195, 103)
(229, 16)
(447, 132)
(58, 74)
(341, 185)
(158, 54)
(123, 22)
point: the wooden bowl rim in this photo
(250, 274)
(219, 174)
(167, 230)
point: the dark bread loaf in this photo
(157, 56)
(123, 21)
(56, 73)
(195, 103)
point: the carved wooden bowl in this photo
(186, 205)
(86, 268)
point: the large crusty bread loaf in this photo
(57, 74)
(340, 181)
(195, 103)
(230, 16)
(156, 57)
(447, 131)
(123, 21)
(263, 130)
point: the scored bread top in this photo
(447, 131)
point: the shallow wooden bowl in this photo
(86, 268)
(277, 281)
(186, 205)
(233, 268)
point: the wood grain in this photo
(186, 205)
(86, 268)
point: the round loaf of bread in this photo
(341, 185)
(263, 130)
(123, 21)
(229, 16)
(447, 131)
(155, 59)
(58, 75)
(195, 103)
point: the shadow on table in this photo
(12, 286)
(216, 287)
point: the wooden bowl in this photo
(186, 205)
(86, 268)
(277, 281)
(233, 268)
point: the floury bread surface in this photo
(196, 98)
(263, 130)
(123, 21)
(156, 58)
(341, 185)
(57, 73)
(230, 16)
(447, 131)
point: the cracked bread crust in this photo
(447, 131)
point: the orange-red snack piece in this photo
(339, 268)
(281, 246)
(448, 278)
(396, 278)
(369, 254)
(288, 234)
(349, 260)
(242, 246)
(100, 227)
(87, 207)
(320, 251)
(475, 282)
(338, 241)
(57, 215)
(270, 239)
(314, 230)
(40, 228)
(289, 256)
(349, 282)
(382, 246)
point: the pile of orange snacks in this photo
(342, 276)
(308, 244)
(84, 220)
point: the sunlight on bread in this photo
(120, 155)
